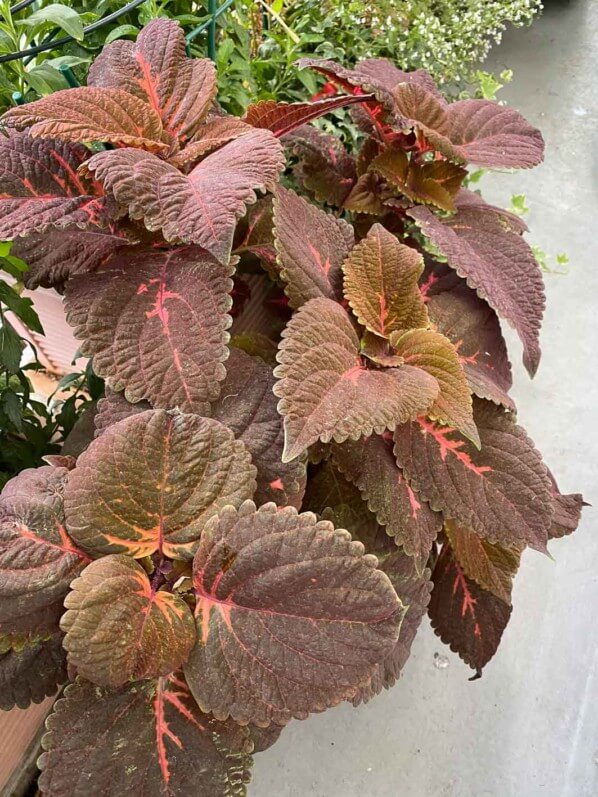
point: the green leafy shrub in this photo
(445, 37)
(243, 543)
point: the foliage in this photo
(241, 544)
(447, 37)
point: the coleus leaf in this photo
(327, 393)
(55, 256)
(370, 465)
(119, 628)
(333, 497)
(492, 566)
(282, 118)
(379, 350)
(165, 745)
(381, 277)
(470, 131)
(435, 354)
(155, 323)
(201, 207)
(247, 406)
(365, 196)
(311, 246)
(413, 590)
(474, 329)
(433, 183)
(501, 492)
(264, 738)
(384, 73)
(38, 560)
(325, 168)
(467, 618)
(114, 407)
(40, 188)
(373, 76)
(155, 70)
(255, 235)
(31, 674)
(212, 135)
(291, 615)
(567, 511)
(89, 114)
(150, 482)
(484, 248)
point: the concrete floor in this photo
(529, 727)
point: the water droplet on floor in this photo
(441, 662)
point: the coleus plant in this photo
(244, 543)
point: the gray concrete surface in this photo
(529, 727)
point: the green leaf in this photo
(45, 79)
(13, 266)
(121, 31)
(21, 307)
(518, 205)
(63, 16)
(11, 348)
(11, 405)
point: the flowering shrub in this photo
(167, 572)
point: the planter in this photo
(20, 735)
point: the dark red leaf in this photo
(567, 511)
(370, 465)
(150, 482)
(55, 256)
(501, 492)
(38, 560)
(282, 117)
(247, 406)
(311, 246)
(489, 252)
(466, 617)
(40, 188)
(474, 329)
(32, 673)
(291, 616)
(155, 69)
(147, 738)
(331, 496)
(470, 131)
(325, 168)
(155, 323)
